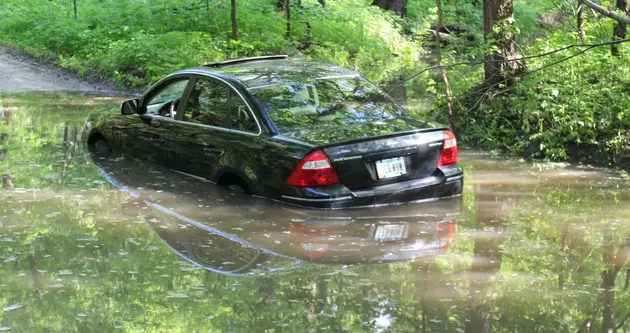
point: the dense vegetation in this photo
(568, 105)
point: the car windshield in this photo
(325, 102)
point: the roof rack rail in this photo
(246, 60)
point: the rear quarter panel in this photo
(265, 162)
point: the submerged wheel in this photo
(101, 148)
(238, 188)
(234, 182)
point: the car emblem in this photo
(347, 158)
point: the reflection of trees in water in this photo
(493, 210)
(576, 258)
(614, 259)
(70, 143)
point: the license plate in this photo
(390, 168)
(389, 232)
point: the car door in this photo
(197, 146)
(147, 135)
(244, 153)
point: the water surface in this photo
(122, 246)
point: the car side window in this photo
(167, 101)
(208, 103)
(242, 119)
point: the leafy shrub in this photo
(576, 110)
(136, 42)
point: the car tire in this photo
(238, 188)
(101, 148)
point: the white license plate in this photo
(389, 232)
(390, 168)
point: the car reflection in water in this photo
(232, 233)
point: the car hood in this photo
(345, 133)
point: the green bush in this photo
(576, 110)
(135, 42)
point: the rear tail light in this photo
(314, 170)
(449, 149)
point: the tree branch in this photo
(622, 322)
(606, 12)
(473, 63)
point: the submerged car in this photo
(300, 131)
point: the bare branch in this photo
(606, 12)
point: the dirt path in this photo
(19, 73)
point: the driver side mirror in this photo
(129, 107)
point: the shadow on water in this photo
(122, 245)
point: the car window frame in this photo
(232, 92)
(235, 94)
(157, 88)
(184, 106)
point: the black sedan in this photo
(296, 130)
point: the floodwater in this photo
(121, 246)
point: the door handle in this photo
(213, 151)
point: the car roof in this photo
(264, 72)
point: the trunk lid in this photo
(386, 160)
(331, 135)
(379, 152)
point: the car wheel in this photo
(101, 149)
(237, 188)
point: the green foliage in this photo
(578, 109)
(137, 42)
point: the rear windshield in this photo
(326, 102)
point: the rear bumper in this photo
(447, 182)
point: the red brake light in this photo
(313, 170)
(449, 149)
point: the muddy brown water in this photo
(122, 246)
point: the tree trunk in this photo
(397, 6)
(234, 24)
(500, 66)
(619, 31)
(7, 182)
(74, 2)
(287, 11)
(580, 21)
(438, 47)
(208, 7)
